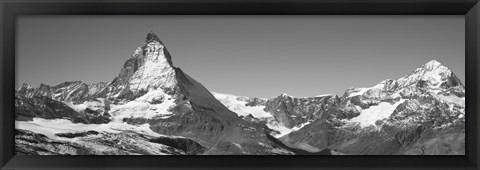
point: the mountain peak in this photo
(431, 68)
(154, 49)
(155, 68)
(431, 65)
(152, 37)
(149, 68)
(26, 85)
(431, 75)
(284, 95)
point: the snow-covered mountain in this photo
(153, 107)
(409, 115)
(283, 114)
(421, 113)
(149, 95)
(432, 77)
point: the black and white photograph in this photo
(240, 85)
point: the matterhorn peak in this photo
(149, 68)
(152, 37)
(156, 70)
(154, 50)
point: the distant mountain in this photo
(421, 113)
(153, 107)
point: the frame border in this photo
(11, 9)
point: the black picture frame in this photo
(11, 9)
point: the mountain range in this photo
(155, 108)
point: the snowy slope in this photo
(282, 129)
(239, 106)
(135, 109)
(451, 99)
(370, 115)
(143, 107)
(49, 127)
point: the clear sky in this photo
(255, 56)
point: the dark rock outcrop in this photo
(79, 134)
(187, 145)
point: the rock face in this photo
(45, 107)
(93, 143)
(187, 145)
(294, 111)
(75, 91)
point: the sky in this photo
(255, 56)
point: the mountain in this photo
(75, 91)
(283, 114)
(431, 77)
(150, 91)
(153, 107)
(421, 113)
